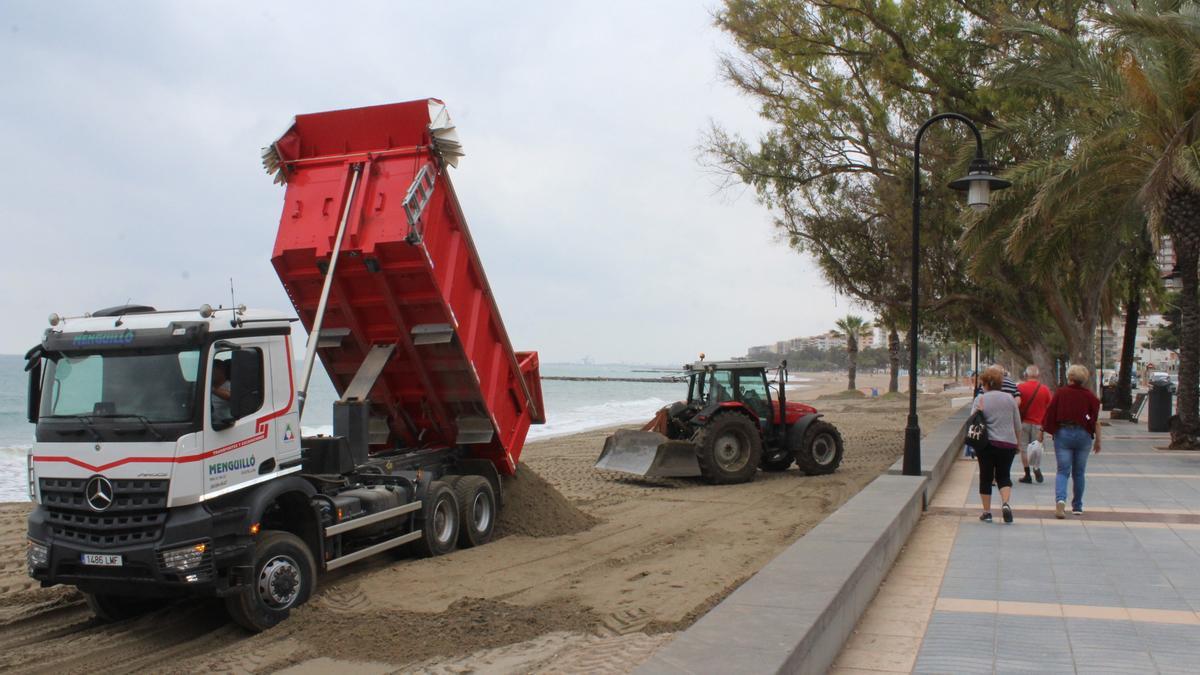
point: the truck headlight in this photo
(36, 555)
(184, 558)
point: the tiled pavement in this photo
(1116, 590)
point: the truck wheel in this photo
(778, 459)
(477, 507)
(284, 575)
(116, 608)
(820, 450)
(728, 449)
(438, 521)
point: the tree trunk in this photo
(894, 360)
(1084, 353)
(1182, 218)
(1047, 366)
(1132, 308)
(1186, 429)
(852, 355)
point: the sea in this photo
(571, 406)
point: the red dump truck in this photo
(168, 459)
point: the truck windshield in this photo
(156, 387)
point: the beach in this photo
(591, 570)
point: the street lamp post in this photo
(978, 184)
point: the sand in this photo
(591, 571)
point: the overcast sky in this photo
(131, 135)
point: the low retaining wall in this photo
(795, 614)
(939, 449)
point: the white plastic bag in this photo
(1033, 452)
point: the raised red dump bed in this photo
(407, 275)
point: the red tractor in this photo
(729, 427)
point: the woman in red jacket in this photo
(1072, 418)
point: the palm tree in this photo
(1131, 136)
(852, 327)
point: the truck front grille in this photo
(137, 514)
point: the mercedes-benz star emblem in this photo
(99, 493)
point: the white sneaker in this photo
(1060, 510)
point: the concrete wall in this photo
(795, 614)
(939, 449)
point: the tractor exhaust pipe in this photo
(783, 400)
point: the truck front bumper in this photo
(173, 565)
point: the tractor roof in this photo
(728, 365)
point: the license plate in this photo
(101, 559)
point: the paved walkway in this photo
(1116, 590)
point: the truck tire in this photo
(728, 449)
(438, 521)
(117, 608)
(820, 450)
(777, 459)
(284, 576)
(477, 510)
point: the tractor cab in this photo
(731, 384)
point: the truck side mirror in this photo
(35, 389)
(245, 382)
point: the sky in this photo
(132, 134)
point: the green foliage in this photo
(1168, 335)
(846, 83)
(852, 328)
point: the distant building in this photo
(829, 341)
(1153, 359)
(823, 342)
(1144, 357)
(762, 351)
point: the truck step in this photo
(372, 550)
(373, 518)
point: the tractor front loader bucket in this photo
(650, 454)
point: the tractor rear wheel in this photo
(728, 449)
(820, 450)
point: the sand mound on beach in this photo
(467, 625)
(534, 508)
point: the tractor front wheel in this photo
(728, 449)
(820, 449)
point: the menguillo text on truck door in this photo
(168, 458)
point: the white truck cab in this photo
(201, 401)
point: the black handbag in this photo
(977, 433)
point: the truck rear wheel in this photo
(439, 521)
(820, 451)
(284, 575)
(117, 608)
(728, 449)
(477, 508)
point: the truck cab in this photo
(144, 419)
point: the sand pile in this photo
(468, 625)
(534, 508)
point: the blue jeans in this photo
(1071, 448)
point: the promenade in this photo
(1116, 590)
